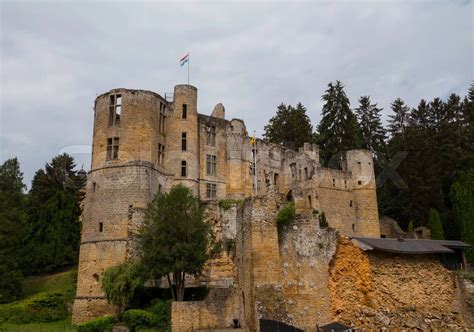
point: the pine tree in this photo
(398, 121)
(290, 127)
(462, 200)
(12, 226)
(338, 130)
(373, 133)
(53, 215)
(419, 116)
(435, 225)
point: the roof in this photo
(408, 246)
(334, 326)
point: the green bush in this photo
(40, 308)
(286, 215)
(135, 318)
(102, 324)
(162, 310)
(226, 204)
(323, 223)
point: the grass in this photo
(43, 306)
(59, 326)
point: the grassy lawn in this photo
(60, 326)
(45, 299)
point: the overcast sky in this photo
(251, 56)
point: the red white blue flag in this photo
(184, 59)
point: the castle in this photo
(144, 143)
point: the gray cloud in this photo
(56, 57)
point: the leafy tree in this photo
(435, 225)
(462, 199)
(373, 133)
(290, 126)
(338, 129)
(12, 219)
(120, 284)
(174, 239)
(53, 215)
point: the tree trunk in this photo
(179, 278)
(171, 286)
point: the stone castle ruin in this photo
(304, 274)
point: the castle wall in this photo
(384, 290)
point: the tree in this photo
(120, 284)
(12, 219)
(373, 133)
(290, 126)
(398, 121)
(435, 225)
(174, 239)
(53, 215)
(462, 200)
(338, 129)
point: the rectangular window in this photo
(160, 188)
(310, 203)
(345, 183)
(115, 110)
(211, 135)
(211, 164)
(183, 142)
(333, 182)
(112, 148)
(184, 115)
(161, 154)
(350, 204)
(162, 118)
(184, 170)
(101, 227)
(211, 190)
(306, 175)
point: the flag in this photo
(252, 140)
(184, 59)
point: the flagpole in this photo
(189, 62)
(255, 163)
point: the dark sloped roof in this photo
(334, 326)
(409, 246)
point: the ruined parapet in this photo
(218, 112)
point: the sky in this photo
(56, 57)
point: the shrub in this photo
(162, 311)
(323, 223)
(226, 204)
(435, 225)
(135, 318)
(229, 246)
(121, 282)
(102, 324)
(286, 215)
(41, 308)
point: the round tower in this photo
(361, 166)
(125, 173)
(182, 156)
(239, 181)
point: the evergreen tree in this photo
(338, 130)
(373, 133)
(290, 126)
(174, 238)
(398, 121)
(435, 225)
(419, 116)
(53, 215)
(12, 226)
(462, 199)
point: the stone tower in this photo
(360, 165)
(125, 171)
(182, 156)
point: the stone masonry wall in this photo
(380, 290)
